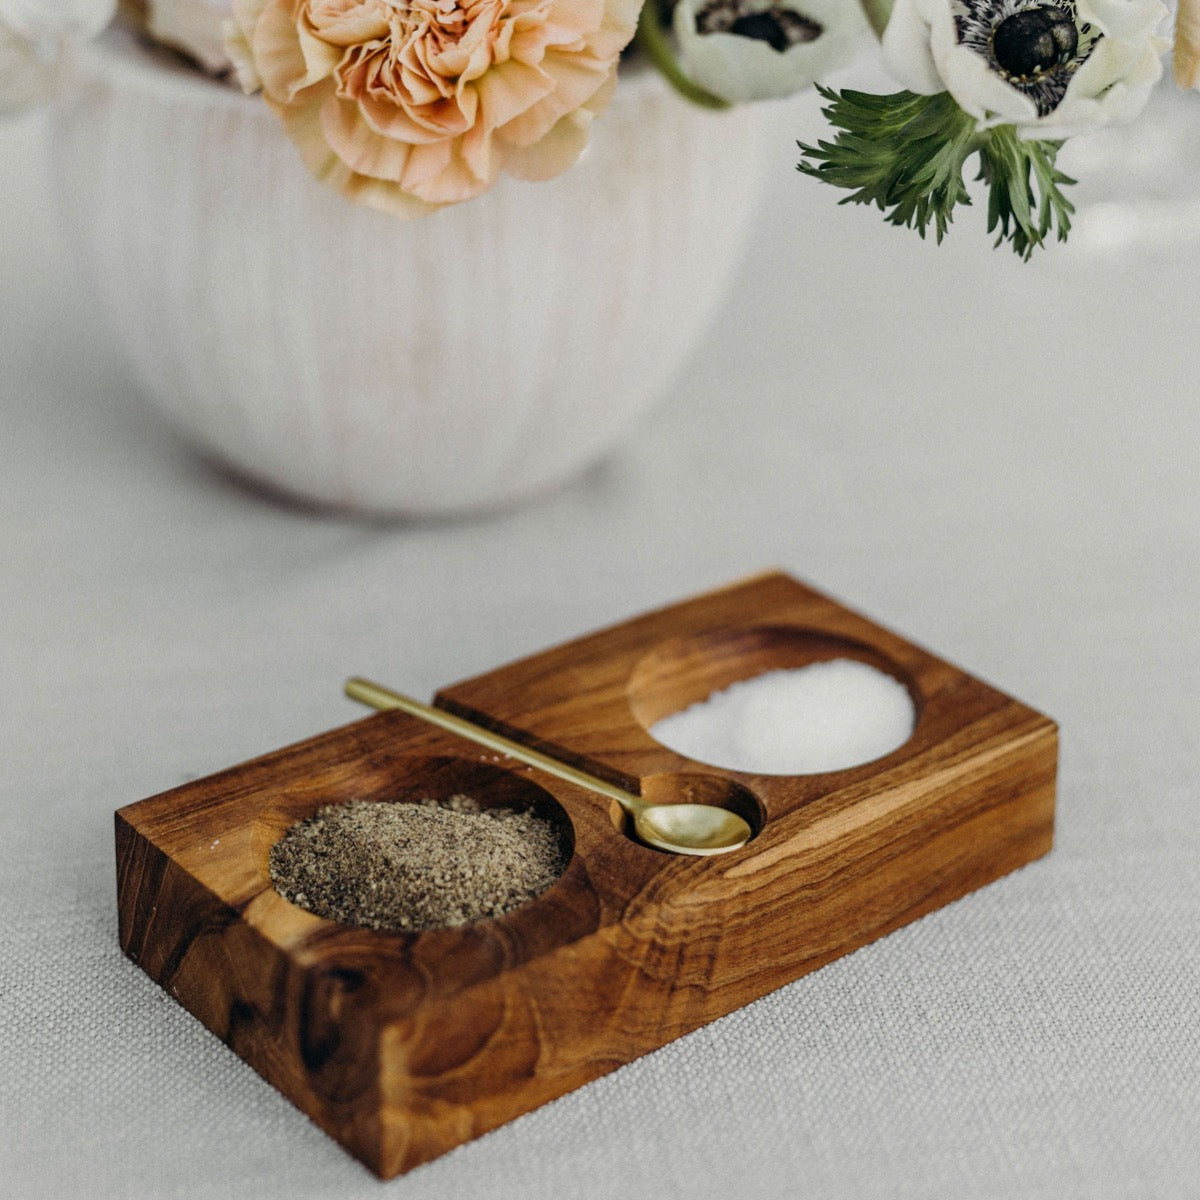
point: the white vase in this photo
(463, 361)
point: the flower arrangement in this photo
(411, 105)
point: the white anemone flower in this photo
(31, 34)
(763, 49)
(1051, 68)
(195, 27)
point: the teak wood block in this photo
(403, 1046)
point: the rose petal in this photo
(363, 150)
(576, 79)
(415, 123)
(439, 174)
(509, 90)
(554, 152)
(348, 22)
(288, 59)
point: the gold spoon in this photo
(677, 828)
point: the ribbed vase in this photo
(466, 360)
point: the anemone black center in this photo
(764, 26)
(1029, 43)
(781, 28)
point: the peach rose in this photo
(407, 105)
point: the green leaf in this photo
(1025, 199)
(906, 154)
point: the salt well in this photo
(823, 717)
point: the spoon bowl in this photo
(691, 828)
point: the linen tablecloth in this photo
(997, 460)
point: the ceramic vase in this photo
(463, 361)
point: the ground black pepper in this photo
(416, 865)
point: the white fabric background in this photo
(999, 461)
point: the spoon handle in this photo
(375, 695)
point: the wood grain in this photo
(402, 1046)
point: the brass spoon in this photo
(678, 828)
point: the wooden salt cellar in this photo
(402, 1046)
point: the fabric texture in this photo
(998, 461)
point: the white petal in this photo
(981, 92)
(907, 53)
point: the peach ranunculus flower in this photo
(407, 105)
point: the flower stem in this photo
(653, 40)
(878, 13)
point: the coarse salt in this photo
(823, 717)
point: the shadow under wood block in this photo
(404, 1045)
